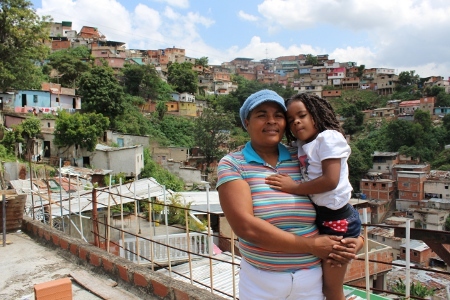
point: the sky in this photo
(403, 35)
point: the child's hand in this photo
(282, 182)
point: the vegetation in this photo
(212, 129)
(447, 224)
(101, 92)
(79, 129)
(182, 77)
(69, 65)
(113, 100)
(416, 289)
(22, 36)
(164, 177)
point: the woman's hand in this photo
(345, 252)
(322, 246)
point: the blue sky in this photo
(402, 34)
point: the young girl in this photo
(323, 152)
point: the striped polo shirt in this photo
(288, 212)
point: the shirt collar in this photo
(251, 155)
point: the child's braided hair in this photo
(321, 111)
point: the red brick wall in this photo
(138, 278)
(356, 270)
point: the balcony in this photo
(195, 258)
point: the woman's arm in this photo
(236, 201)
(329, 180)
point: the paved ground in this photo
(25, 263)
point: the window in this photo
(379, 167)
(48, 124)
(366, 184)
(405, 184)
(374, 184)
(403, 251)
(35, 98)
(446, 187)
(120, 142)
(383, 185)
(57, 99)
(414, 194)
(415, 253)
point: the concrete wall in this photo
(188, 174)
(128, 139)
(127, 160)
(139, 279)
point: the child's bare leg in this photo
(333, 281)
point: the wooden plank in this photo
(100, 287)
(14, 212)
(7, 192)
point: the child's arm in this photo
(331, 170)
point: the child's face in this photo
(300, 122)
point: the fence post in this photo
(95, 217)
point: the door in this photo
(47, 149)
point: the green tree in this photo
(131, 120)
(360, 72)
(311, 60)
(433, 91)
(101, 92)
(13, 136)
(212, 130)
(442, 99)
(31, 127)
(398, 133)
(141, 80)
(358, 163)
(408, 78)
(70, 64)
(354, 119)
(22, 37)
(182, 77)
(79, 129)
(202, 61)
(180, 131)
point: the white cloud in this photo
(258, 50)
(400, 33)
(404, 35)
(142, 28)
(247, 17)
(114, 21)
(360, 55)
(176, 3)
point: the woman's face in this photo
(266, 123)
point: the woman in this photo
(278, 239)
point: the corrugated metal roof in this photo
(82, 200)
(222, 272)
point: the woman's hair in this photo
(320, 110)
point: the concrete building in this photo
(429, 218)
(410, 189)
(420, 253)
(128, 160)
(383, 163)
(124, 139)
